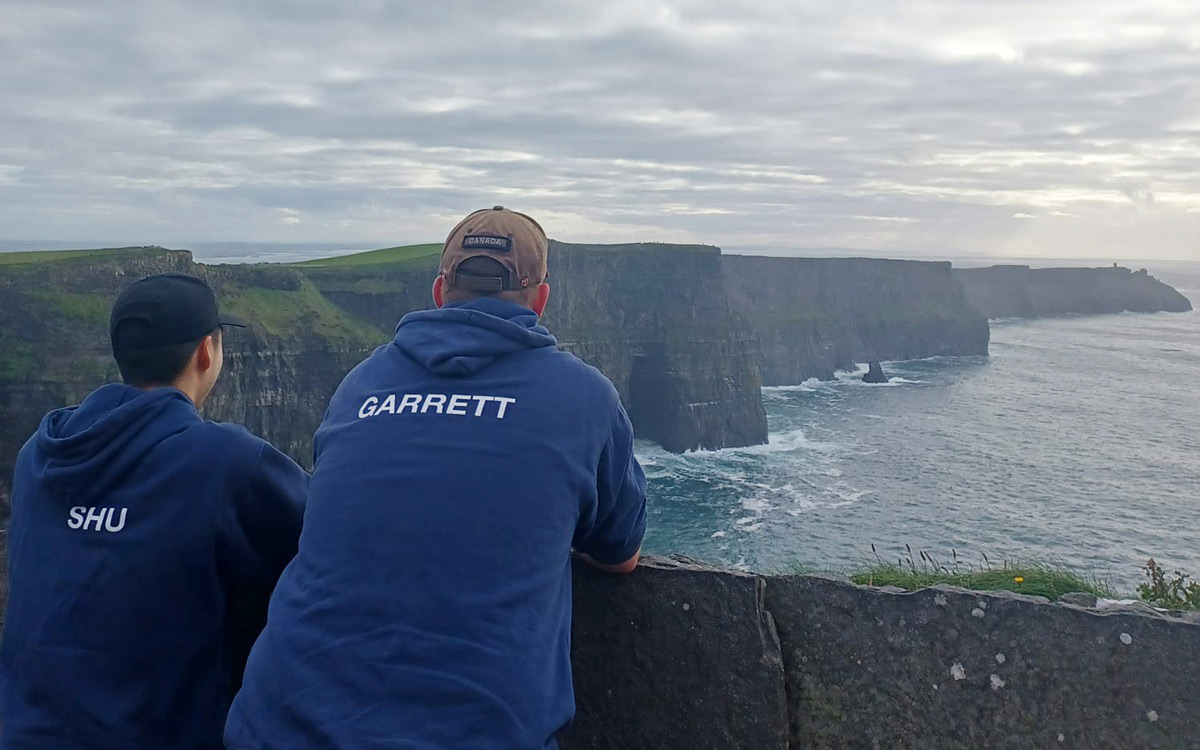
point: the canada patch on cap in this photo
(491, 242)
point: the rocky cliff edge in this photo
(1024, 292)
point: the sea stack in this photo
(875, 374)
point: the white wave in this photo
(654, 471)
(851, 496)
(842, 504)
(756, 504)
(787, 442)
(843, 377)
(855, 379)
(812, 385)
(699, 463)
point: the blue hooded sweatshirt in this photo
(429, 605)
(143, 546)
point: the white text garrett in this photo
(438, 403)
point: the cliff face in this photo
(812, 316)
(1024, 292)
(653, 318)
(649, 317)
(278, 377)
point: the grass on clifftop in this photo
(47, 256)
(1033, 578)
(388, 255)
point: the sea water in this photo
(1077, 441)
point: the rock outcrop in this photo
(812, 316)
(1024, 292)
(679, 658)
(875, 374)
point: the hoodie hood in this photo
(86, 449)
(464, 338)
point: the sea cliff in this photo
(1024, 292)
(687, 335)
(812, 316)
(648, 316)
(653, 318)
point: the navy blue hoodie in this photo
(144, 542)
(429, 606)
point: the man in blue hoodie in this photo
(143, 546)
(429, 605)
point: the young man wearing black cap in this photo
(144, 543)
(429, 605)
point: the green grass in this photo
(288, 314)
(1175, 592)
(912, 571)
(388, 255)
(50, 256)
(81, 308)
(1035, 578)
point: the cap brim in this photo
(232, 320)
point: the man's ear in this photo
(541, 297)
(206, 354)
(439, 291)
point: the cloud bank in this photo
(932, 126)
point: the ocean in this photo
(1077, 442)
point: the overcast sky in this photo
(1019, 127)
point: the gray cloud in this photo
(1016, 127)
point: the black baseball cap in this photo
(163, 310)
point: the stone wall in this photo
(680, 657)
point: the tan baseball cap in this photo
(514, 240)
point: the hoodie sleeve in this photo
(261, 526)
(259, 531)
(614, 534)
